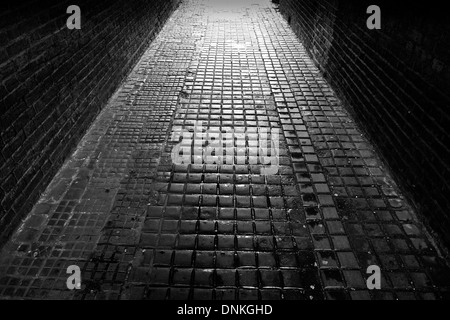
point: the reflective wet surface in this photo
(140, 224)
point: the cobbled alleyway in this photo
(142, 227)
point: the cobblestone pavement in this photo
(140, 226)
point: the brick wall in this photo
(396, 83)
(54, 81)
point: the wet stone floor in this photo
(140, 225)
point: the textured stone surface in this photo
(395, 81)
(141, 227)
(54, 82)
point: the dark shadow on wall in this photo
(396, 83)
(54, 81)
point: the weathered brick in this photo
(395, 82)
(41, 60)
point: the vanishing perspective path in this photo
(140, 226)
